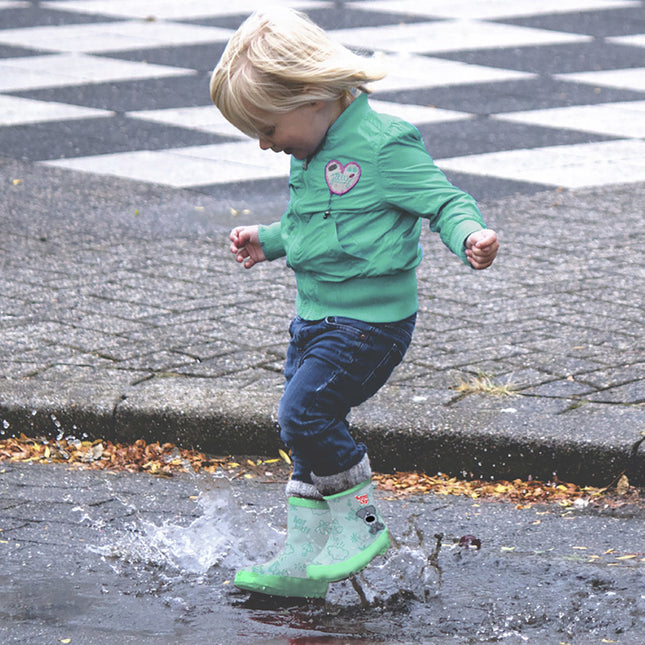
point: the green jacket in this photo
(351, 229)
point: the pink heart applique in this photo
(341, 179)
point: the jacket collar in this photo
(349, 116)
(337, 131)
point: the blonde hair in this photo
(279, 60)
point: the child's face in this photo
(298, 132)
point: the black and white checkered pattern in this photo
(510, 95)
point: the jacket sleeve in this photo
(271, 241)
(414, 184)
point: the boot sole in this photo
(355, 564)
(283, 586)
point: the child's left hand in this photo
(481, 248)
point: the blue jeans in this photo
(332, 366)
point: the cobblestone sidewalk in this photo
(122, 315)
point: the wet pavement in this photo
(98, 557)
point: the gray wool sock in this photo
(332, 484)
(296, 488)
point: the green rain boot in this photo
(358, 535)
(308, 526)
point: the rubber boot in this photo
(308, 526)
(358, 535)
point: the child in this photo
(360, 183)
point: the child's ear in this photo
(312, 90)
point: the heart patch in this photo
(341, 179)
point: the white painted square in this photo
(209, 119)
(408, 71)
(576, 166)
(184, 167)
(173, 9)
(244, 153)
(19, 111)
(617, 119)
(418, 114)
(450, 35)
(157, 167)
(14, 5)
(60, 70)
(112, 36)
(206, 118)
(624, 79)
(635, 40)
(489, 9)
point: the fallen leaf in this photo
(167, 459)
(622, 487)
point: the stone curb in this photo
(505, 444)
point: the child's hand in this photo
(245, 245)
(481, 248)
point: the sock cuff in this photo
(297, 488)
(332, 484)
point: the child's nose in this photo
(264, 144)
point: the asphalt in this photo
(124, 316)
(94, 557)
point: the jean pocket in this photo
(353, 329)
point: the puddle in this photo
(184, 564)
(228, 535)
(154, 563)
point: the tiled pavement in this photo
(509, 96)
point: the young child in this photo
(360, 185)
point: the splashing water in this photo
(205, 543)
(228, 535)
(407, 571)
(224, 536)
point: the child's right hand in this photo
(245, 245)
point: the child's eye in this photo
(268, 132)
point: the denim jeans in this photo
(333, 365)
